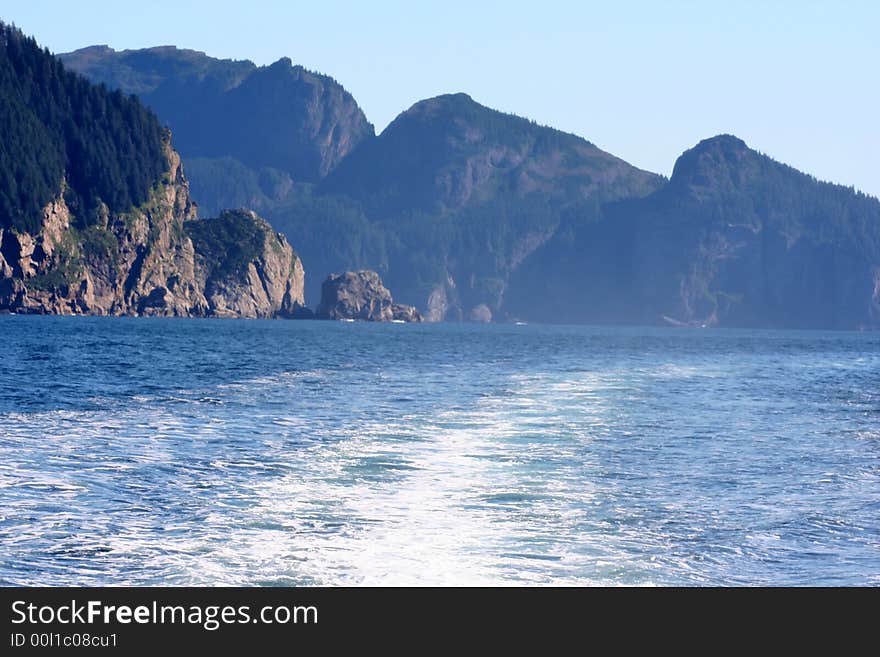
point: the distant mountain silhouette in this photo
(449, 152)
(734, 239)
(281, 116)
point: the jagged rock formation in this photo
(248, 269)
(361, 295)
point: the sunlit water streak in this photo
(226, 452)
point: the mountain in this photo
(445, 203)
(734, 239)
(461, 194)
(448, 202)
(277, 121)
(470, 213)
(448, 152)
(95, 212)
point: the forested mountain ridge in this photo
(758, 243)
(734, 239)
(446, 152)
(95, 211)
(108, 148)
(463, 194)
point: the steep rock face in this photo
(112, 267)
(361, 295)
(143, 262)
(443, 302)
(281, 117)
(248, 269)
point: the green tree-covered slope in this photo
(57, 127)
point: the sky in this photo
(642, 79)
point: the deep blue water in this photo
(139, 451)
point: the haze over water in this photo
(138, 451)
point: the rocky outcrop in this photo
(145, 262)
(249, 270)
(361, 295)
(403, 313)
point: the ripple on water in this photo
(300, 453)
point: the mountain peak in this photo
(96, 49)
(725, 141)
(715, 162)
(449, 151)
(453, 103)
(446, 99)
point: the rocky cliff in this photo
(248, 269)
(154, 260)
(361, 295)
(95, 211)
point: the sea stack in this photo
(361, 295)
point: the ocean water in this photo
(142, 451)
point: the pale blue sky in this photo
(644, 79)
